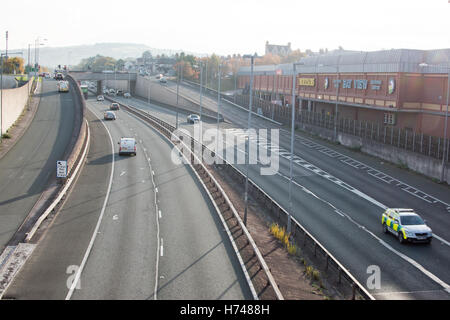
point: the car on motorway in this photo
(193, 118)
(100, 98)
(127, 95)
(114, 106)
(109, 115)
(162, 80)
(59, 76)
(112, 92)
(406, 225)
(63, 86)
(119, 92)
(127, 146)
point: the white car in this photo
(127, 146)
(193, 118)
(127, 95)
(406, 225)
(100, 98)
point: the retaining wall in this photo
(13, 102)
(425, 165)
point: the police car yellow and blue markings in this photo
(395, 226)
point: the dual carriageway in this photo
(157, 235)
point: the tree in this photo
(98, 63)
(120, 64)
(13, 65)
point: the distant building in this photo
(278, 50)
(392, 88)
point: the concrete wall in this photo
(425, 165)
(162, 94)
(13, 102)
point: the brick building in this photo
(392, 87)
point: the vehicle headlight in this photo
(409, 234)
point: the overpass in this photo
(121, 79)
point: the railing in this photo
(344, 279)
(372, 131)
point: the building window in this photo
(389, 118)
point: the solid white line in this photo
(94, 235)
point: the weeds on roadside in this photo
(280, 234)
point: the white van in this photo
(127, 146)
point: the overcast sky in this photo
(230, 26)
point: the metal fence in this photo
(373, 131)
(338, 275)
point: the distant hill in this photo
(53, 56)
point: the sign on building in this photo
(309, 82)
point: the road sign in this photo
(61, 169)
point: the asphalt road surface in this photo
(339, 195)
(26, 168)
(158, 235)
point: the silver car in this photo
(193, 118)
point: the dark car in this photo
(114, 106)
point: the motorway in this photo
(133, 228)
(339, 196)
(25, 170)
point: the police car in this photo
(406, 225)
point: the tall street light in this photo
(252, 62)
(337, 97)
(291, 163)
(445, 151)
(178, 90)
(201, 100)
(218, 107)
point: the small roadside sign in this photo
(61, 169)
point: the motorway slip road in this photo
(25, 170)
(176, 249)
(346, 216)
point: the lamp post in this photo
(252, 62)
(291, 163)
(337, 97)
(178, 89)
(444, 151)
(218, 107)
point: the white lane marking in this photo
(158, 248)
(382, 242)
(115, 217)
(123, 172)
(303, 163)
(162, 247)
(156, 190)
(94, 235)
(442, 240)
(160, 214)
(385, 177)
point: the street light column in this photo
(337, 101)
(294, 78)
(445, 151)
(218, 108)
(247, 140)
